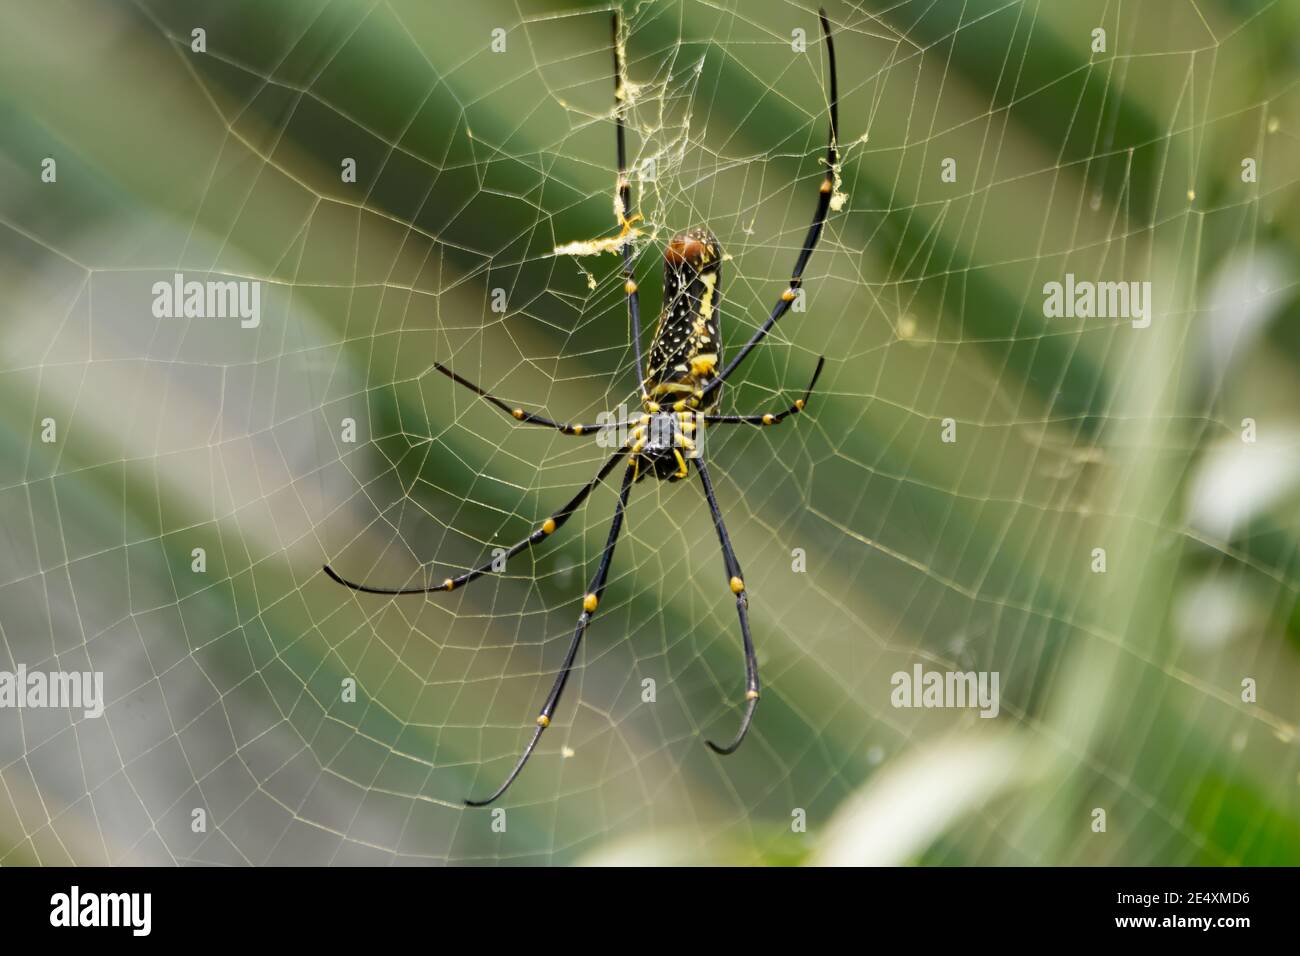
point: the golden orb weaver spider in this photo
(680, 386)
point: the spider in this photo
(680, 390)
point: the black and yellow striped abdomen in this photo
(686, 354)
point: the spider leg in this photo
(528, 418)
(770, 419)
(545, 530)
(589, 602)
(625, 198)
(825, 192)
(737, 584)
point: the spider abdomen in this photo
(687, 349)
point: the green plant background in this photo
(1121, 691)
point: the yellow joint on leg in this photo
(548, 526)
(448, 584)
(788, 295)
(652, 407)
(589, 603)
(687, 443)
(769, 419)
(518, 413)
(629, 287)
(544, 721)
(577, 429)
(799, 403)
(827, 186)
(679, 405)
(737, 585)
(751, 695)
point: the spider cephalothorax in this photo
(680, 387)
(663, 443)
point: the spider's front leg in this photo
(826, 201)
(736, 582)
(589, 602)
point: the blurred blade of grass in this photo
(894, 818)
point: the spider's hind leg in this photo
(541, 532)
(589, 602)
(736, 582)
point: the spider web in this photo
(1120, 690)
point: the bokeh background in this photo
(1122, 691)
